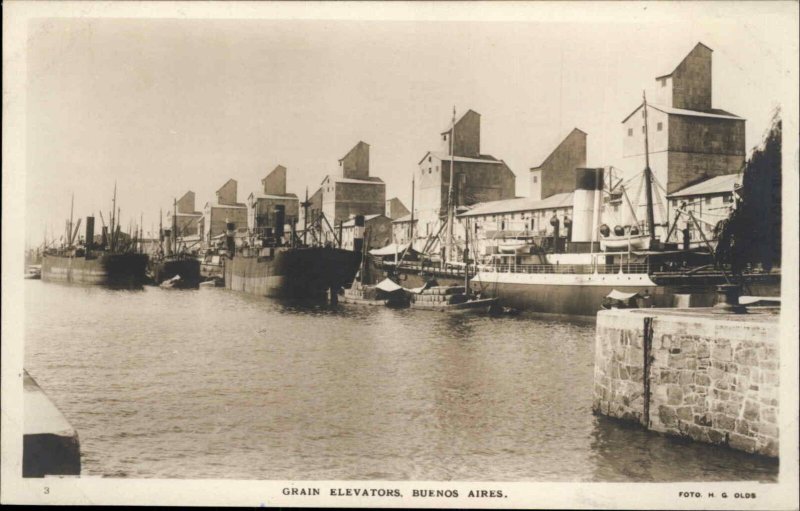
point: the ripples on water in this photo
(215, 384)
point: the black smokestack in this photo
(280, 219)
(230, 240)
(358, 234)
(89, 232)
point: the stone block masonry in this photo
(689, 373)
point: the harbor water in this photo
(211, 383)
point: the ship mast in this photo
(69, 229)
(305, 217)
(174, 226)
(113, 218)
(648, 179)
(411, 231)
(450, 205)
(160, 230)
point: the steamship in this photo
(548, 276)
(114, 262)
(172, 264)
(273, 267)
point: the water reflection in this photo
(216, 384)
(623, 452)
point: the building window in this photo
(616, 208)
(630, 132)
(728, 197)
(663, 82)
(535, 179)
(643, 129)
(429, 159)
(660, 126)
(708, 200)
(429, 170)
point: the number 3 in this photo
(46, 490)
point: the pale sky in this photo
(162, 106)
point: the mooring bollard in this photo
(728, 300)
(334, 296)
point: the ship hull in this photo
(118, 270)
(582, 294)
(575, 295)
(292, 272)
(187, 268)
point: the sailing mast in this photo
(450, 205)
(648, 180)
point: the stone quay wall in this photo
(712, 378)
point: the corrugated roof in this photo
(714, 113)
(715, 185)
(559, 200)
(483, 158)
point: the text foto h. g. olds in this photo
(392, 492)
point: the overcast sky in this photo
(162, 106)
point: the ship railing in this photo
(580, 269)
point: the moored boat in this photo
(115, 261)
(449, 299)
(272, 267)
(33, 272)
(170, 262)
(386, 292)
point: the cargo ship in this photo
(114, 261)
(94, 267)
(170, 262)
(271, 266)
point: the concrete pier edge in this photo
(50, 445)
(688, 373)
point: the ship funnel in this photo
(89, 232)
(280, 220)
(358, 233)
(588, 184)
(168, 236)
(230, 240)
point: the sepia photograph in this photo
(401, 254)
